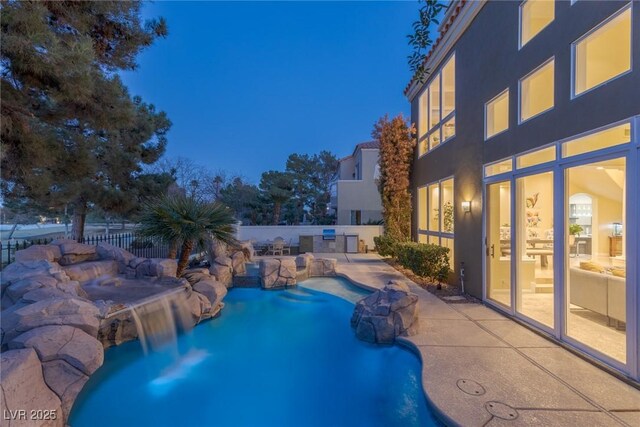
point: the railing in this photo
(140, 246)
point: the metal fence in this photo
(138, 245)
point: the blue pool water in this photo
(274, 358)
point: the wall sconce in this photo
(466, 206)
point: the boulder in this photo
(72, 288)
(238, 261)
(222, 273)
(117, 329)
(24, 388)
(66, 381)
(195, 304)
(21, 287)
(214, 291)
(386, 314)
(74, 253)
(88, 271)
(268, 270)
(39, 252)
(247, 248)
(194, 275)
(66, 343)
(216, 249)
(106, 251)
(304, 260)
(277, 272)
(26, 269)
(163, 267)
(224, 260)
(322, 267)
(42, 294)
(58, 311)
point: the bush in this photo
(425, 260)
(385, 245)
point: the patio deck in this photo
(480, 368)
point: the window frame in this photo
(590, 32)
(426, 133)
(486, 116)
(526, 76)
(439, 234)
(520, 7)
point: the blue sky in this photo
(247, 83)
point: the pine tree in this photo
(71, 133)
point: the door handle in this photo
(493, 249)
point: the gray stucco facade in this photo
(488, 61)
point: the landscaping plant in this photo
(396, 139)
(188, 223)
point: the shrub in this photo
(385, 245)
(425, 260)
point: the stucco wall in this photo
(487, 62)
(293, 232)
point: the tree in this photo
(187, 222)
(276, 188)
(421, 40)
(244, 200)
(311, 176)
(71, 133)
(397, 142)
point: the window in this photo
(497, 115)
(604, 53)
(536, 157)
(535, 15)
(422, 208)
(356, 217)
(436, 115)
(536, 91)
(498, 168)
(620, 134)
(436, 214)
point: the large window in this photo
(436, 214)
(536, 91)
(535, 15)
(436, 121)
(497, 115)
(604, 53)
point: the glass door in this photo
(595, 258)
(534, 247)
(498, 241)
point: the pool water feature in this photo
(274, 358)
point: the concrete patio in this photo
(483, 369)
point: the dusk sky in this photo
(247, 83)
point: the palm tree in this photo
(181, 220)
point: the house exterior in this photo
(527, 165)
(355, 199)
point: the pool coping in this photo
(538, 379)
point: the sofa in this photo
(598, 292)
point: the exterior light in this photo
(466, 206)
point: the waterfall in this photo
(157, 321)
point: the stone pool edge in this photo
(405, 342)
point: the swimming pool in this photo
(274, 358)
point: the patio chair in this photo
(277, 248)
(286, 248)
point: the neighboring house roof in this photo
(375, 145)
(449, 18)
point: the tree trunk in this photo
(183, 262)
(79, 218)
(276, 213)
(173, 250)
